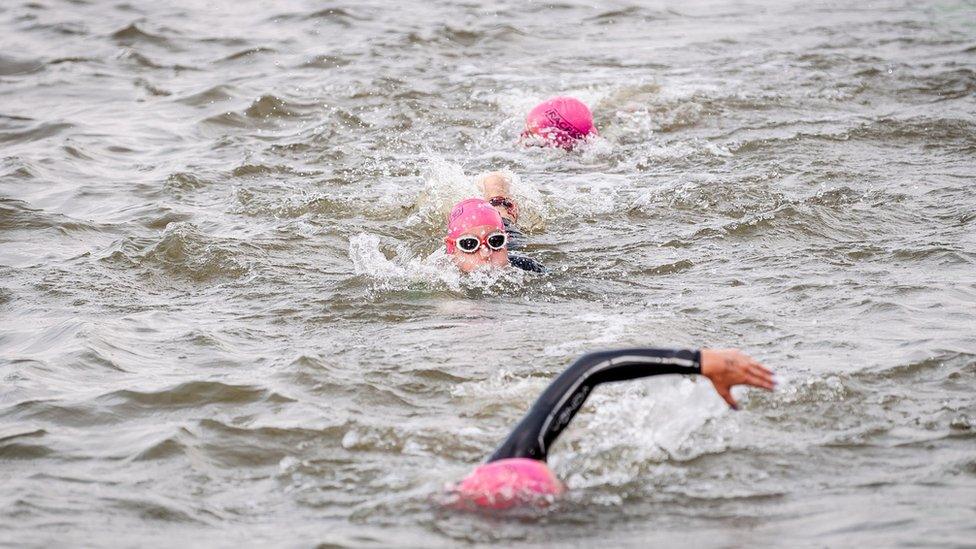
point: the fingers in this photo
(757, 366)
(760, 381)
(755, 374)
(759, 376)
(725, 393)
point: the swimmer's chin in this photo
(491, 265)
(487, 267)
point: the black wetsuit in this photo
(557, 405)
(515, 241)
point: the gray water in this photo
(225, 319)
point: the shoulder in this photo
(526, 263)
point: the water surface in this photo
(225, 321)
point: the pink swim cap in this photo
(469, 213)
(560, 121)
(506, 483)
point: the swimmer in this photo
(482, 232)
(517, 472)
(558, 122)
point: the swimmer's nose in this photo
(484, 251)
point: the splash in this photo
(532, 207)
(589, 195)
(402, 269)
(638, 424)
(446, 184)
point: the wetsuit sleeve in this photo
(558, 404)
(526, 263)
(516, 240)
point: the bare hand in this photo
(726, 368)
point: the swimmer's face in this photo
(484, 256)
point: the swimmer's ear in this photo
(449, 244)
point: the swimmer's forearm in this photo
(624, 364)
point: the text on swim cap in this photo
(561, 123)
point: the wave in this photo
(132, 34)
(191, 394)
(16, 215)
(10, 66)
(248, 54)
(183, 252)
(16, 447)
(266, 109)
(25, 133)
(264, 202)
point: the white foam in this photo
(368, 259)
(446, 184)
(590, 194)
(436, 271)
(502, 385)
(624, 427)
(692, 189)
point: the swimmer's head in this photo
(559, 122)
(506, 483)
(476, 236)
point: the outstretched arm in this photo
(558, 404)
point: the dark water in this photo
(224, 320)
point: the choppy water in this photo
(223, 320)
